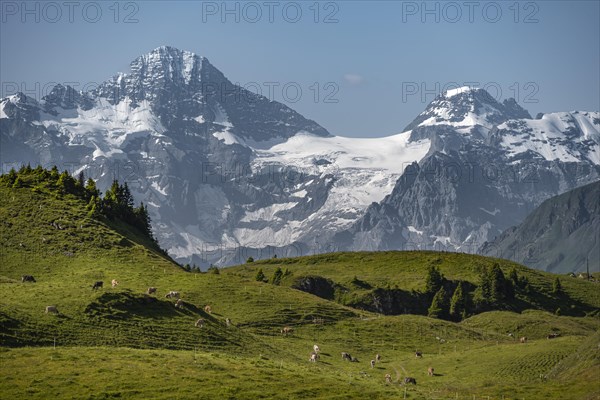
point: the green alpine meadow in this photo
(348, 325)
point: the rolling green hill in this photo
(120, 343)
(367, 280)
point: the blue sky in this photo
(376, 64)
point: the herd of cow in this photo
(314, 357)
(286, 330)
(179, 303)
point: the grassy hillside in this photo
(114, 343)
(357, 277)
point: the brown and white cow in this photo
(430, 371)
(51, 309)
(114, 283)
(286, 330)
(553, 335)
(151, 290)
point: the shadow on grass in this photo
(126, 304)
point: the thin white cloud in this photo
(354, 79)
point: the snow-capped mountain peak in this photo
(168, 63)
(453, 92)
(468, 110)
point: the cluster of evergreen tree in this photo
(278, 275)
(494, 289)
(452, 300)
(117, 203)
(192, 268)
(445, 303)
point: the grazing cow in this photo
(430, 371)
(172, 295)
(418, 354)
(51, 309)
(27, 278)
(408, 380)
(199, 323)
(98, 285)
(372, 363)
(553, 335)
(114, 283)
(208, 309)
(353, 359)
(286, 330)
(316, 348)
(313, 357)
(346, 356)
(377, 357)
(227, 322)
(523, 339)
(179, 303)
(151, 290)
(388, 378)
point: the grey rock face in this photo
(561, 235)
(457, 201)
(470, 187)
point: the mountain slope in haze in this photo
(561, 235)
